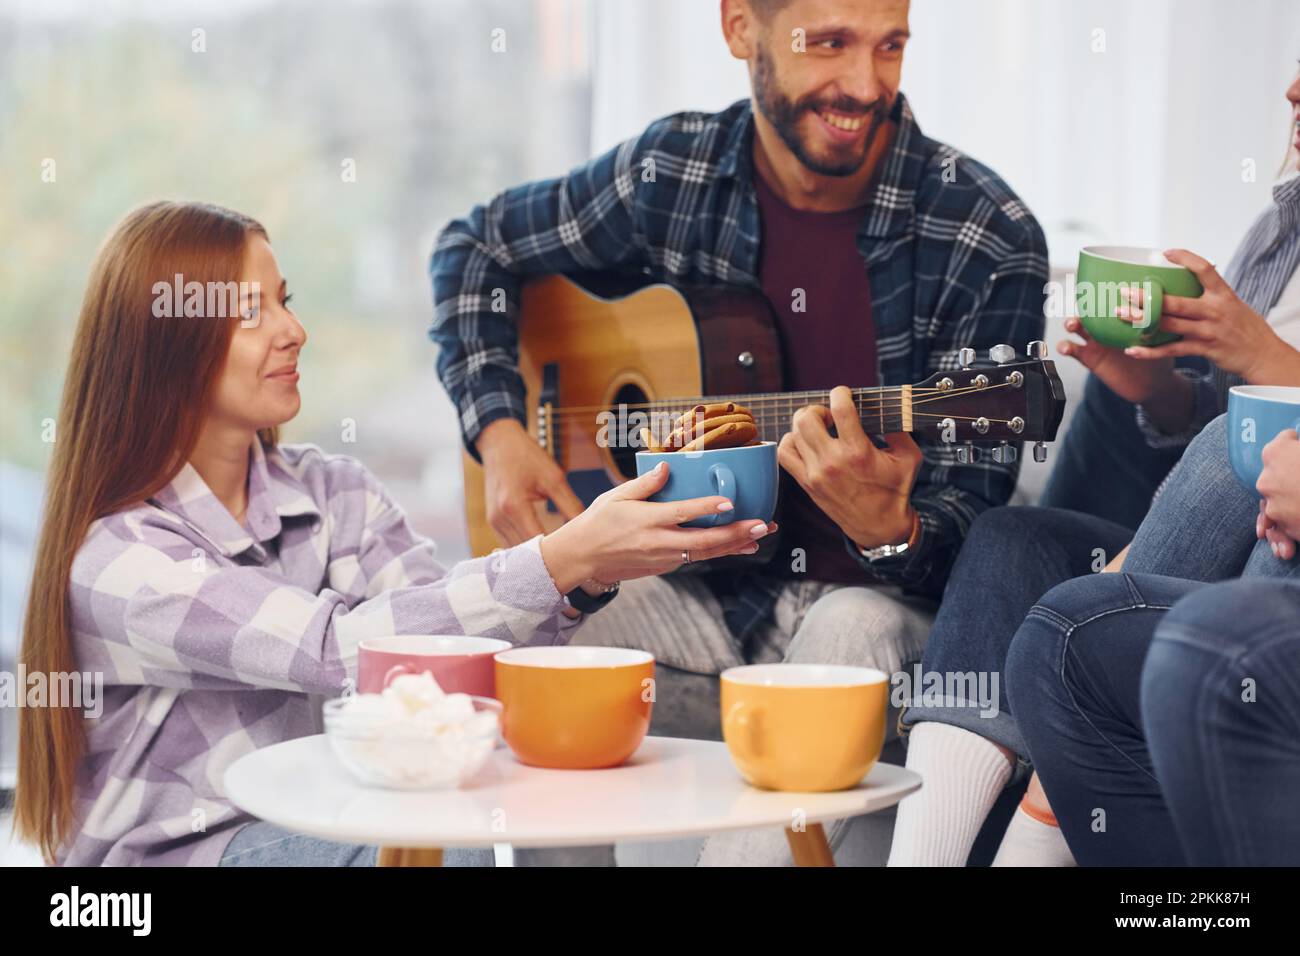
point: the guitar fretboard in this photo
(883, 409)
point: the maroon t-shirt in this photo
(832, 341)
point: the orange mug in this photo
(804, 727)
(574, 708)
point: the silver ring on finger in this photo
(686, 557)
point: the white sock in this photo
(963, 774)
(1032, 841)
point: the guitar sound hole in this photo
(624, 428)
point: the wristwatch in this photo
(580, 600)
(886, 551)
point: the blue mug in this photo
(748, 475)
(1256, 415)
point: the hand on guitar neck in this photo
(865, 490)
(620, 536)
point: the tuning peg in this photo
(1002, 354)
(1040, 451)
(1004, 454)
(1037, 349)
(967, 453)
(966, 357)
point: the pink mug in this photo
(459, 664)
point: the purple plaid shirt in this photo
(216, 638)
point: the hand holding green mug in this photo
(1108, 276)
(1181, 308)
(1219, 326)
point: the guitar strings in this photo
(874, 406)
(687, 404)
(893, 406)
(931, 416)
(788, 398)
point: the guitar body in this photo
(593, 343)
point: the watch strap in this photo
(588, 604)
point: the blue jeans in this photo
(1163, 715)
(1011, 556)
(1200, 528)
(265, 844)
(1104, 466)
(1228, 761)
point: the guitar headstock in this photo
(1005, 398)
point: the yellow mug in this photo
(804, 727)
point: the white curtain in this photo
(654, 57)
(1116, 121)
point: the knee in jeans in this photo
(1034, 659)
(1032, 655)
(1082, 597)
(1232, 613)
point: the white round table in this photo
(670, 788)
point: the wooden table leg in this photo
(403, 856)
(809, 846)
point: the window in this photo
(352, 130)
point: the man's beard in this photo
(784, 115)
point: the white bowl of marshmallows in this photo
(413, 735)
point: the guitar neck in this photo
(882, 409)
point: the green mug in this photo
(1104, 270)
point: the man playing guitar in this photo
(882, 252)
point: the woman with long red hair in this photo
(216, 578)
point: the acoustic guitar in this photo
(602, 356)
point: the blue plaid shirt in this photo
(953, 257)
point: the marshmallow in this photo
(413, 734)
